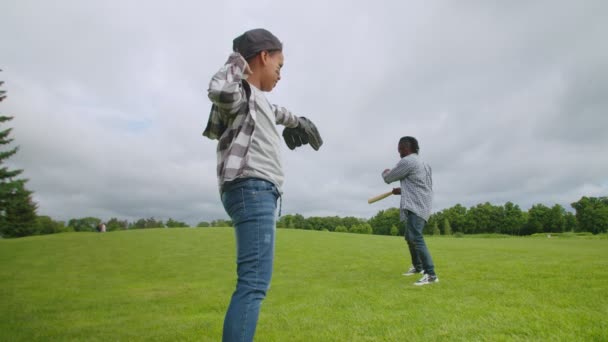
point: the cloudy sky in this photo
(507, 98)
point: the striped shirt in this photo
(233, 117)
(416, 185)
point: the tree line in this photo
(46, 225)
(591, 215)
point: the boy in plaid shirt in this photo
(249, 168)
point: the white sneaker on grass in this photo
(412, 271)
(427, 279)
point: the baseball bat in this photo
(379, 197)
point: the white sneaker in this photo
(427, 279)
(412, 271)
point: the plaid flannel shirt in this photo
(232, 118)
(416, 185)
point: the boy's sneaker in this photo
(427, 279)
(412, 271)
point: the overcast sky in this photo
(508, 99)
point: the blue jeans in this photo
(251, 204)
(421, 257)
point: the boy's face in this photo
(403, 150)
(271, 70)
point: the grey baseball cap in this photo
(255, 41)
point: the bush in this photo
(221, 223)
(46, 225)
(147, 223)
(341, 229)
(458, 234)
(116, 224)
(171, 223)
(363, 228)
(85, 224)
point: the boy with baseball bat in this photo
(416, 200)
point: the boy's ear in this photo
(264, 57)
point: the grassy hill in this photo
(175, 284)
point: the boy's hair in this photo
(411, 142)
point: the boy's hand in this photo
(247, 70)
(235, 58)
(396, 191)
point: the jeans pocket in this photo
(234, 203)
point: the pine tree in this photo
(447, 228)
(17, 210)
(435, 229)
(394, 230)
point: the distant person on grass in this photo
(416, 200)
(249, 167)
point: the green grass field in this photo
(175, 284)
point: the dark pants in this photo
(421, 257)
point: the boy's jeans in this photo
(421, 257)
(251, 204)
